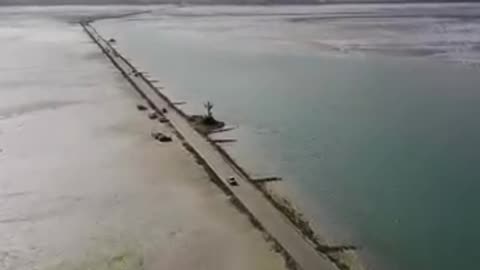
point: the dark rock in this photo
(165, 139)
(153, 115)
(161, 137)
(164, 110)
(141, 107)
(163, 120)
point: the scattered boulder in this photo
(163, 120)
(165, 139)
(153, 115)
(141, 107)
(164, 110)
(112, 40)
(161, 137)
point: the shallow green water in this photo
(387, 147)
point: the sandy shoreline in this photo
(111, 153)
(342, 255)
(268, 78)
(82, 183)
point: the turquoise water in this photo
(386, 146)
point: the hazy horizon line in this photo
(215, 2)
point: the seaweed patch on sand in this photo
(117, 259)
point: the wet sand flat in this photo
(82, 183)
